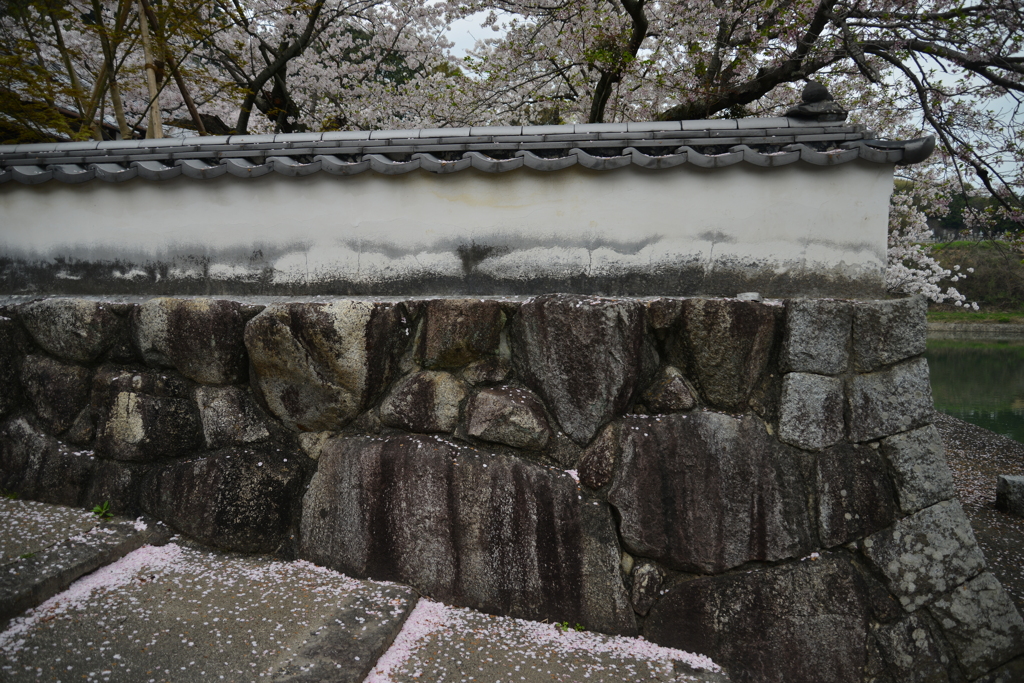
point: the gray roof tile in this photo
(72, 173)
(488, 164)
(246, 140)
(346, 135)
(650, 126)
(290, 167)
(429, 162)
(154, 170)
(549, 130)
(31, 175)
(585, 128)
(445, 132)
(598, 146)
(390, 134)
(293, 139)
(712, 124)
(31, 148)
(496, 130)
(337, 166)
(767, 122)
(114, 173)
(656, 162)
(77, 146)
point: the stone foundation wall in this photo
(755, 481)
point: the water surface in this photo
(980, 382)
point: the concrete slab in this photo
(63, 545)
(441, 643)
(27, 527)
(181, 613)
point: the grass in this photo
(997, 283)
(981, 316)
(963, 244)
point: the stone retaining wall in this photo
(758, 482)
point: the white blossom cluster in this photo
(911, 268)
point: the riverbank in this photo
(981, 331)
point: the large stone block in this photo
(57, 391)
(1011, 672)
(201, 338)
(817, 336)
(913, 653)
(811, 410)
(855, 494)
(724, 345)
(74, 330)
(583, 355)
(664, 313)
(456, 332)
(919, 468)
(889, 401)
(647, 580)
(487, 371)
(144, 416)
(669, 392)
(486, 531)
(981, 623)
(317, 366)
(230, 417)
(706, 492)
(39, 467)
(886, 332)
(1010, 494)
(427, 401)
(237, 498)
(597, 464)
(10, 387)
(116, 483)
(803, 621)
(508, 415)
(926, 554)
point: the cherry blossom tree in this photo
(296, 64)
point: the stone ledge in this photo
(36, 579)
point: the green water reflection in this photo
(981, 383)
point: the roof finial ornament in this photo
(817, 103)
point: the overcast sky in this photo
(465, 32)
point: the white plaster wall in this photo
(371, 227)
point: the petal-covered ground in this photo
(31, 527)
(977, 457)
(442, 643)
(179, 612)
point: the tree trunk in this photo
(108, 63)
(155, 128)
(76, 85)
(173, 66)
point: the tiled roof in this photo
(603, 146)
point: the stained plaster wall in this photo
(793, 230)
